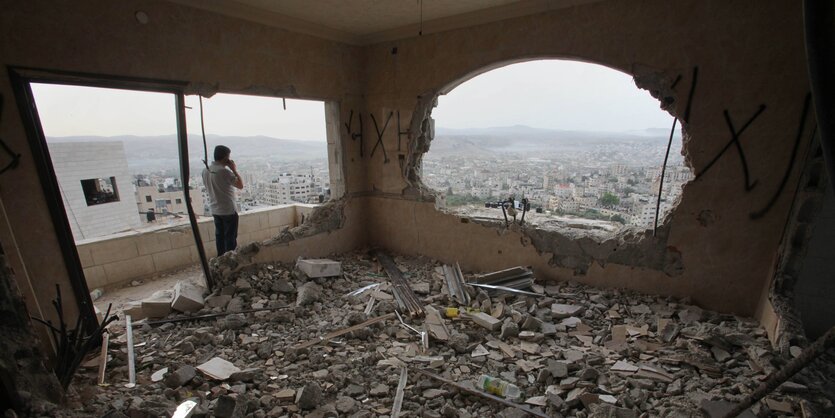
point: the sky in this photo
(552, 94)
(76, 111)
(555, 94)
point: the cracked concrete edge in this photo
(324, 219)
(793, 248)
(568, 248)
(207, 90)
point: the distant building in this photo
(165, 201)
(292, 188)
(96, 187)
(645, 216)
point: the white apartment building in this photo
(645, 216)
(96, 187)
(164, 200)
(291, 188)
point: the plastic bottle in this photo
(498, 387)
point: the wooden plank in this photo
(343, 331)
(105, 341)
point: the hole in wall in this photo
(570, 145)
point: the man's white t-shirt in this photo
(220, 186)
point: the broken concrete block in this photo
(158, 305)
(623, 366)
(218, 301)
(285, 395)
(218, 368)
(561, 311)
(531, 323)
(314, 268)
(486, 321)
(180, 377)
(187, 297)
(134, 309)
(509, 330)
(308, 293)
(309, 396)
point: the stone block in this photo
(187, 297)
(486, 321)
(134, 309)
(320, 267)
(158, 305)
(153, 242)
(122, 271)
(172, 259)
(114, 250)
(95, 277)
(85, 256)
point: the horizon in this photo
(544, 94)
(678, 131)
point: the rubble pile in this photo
(571, 350)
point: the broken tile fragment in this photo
(561, 311)
(622, 366)
(218, 368)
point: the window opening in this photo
(572, 145)
(281, 153)
(99, 191)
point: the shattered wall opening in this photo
(582, 194)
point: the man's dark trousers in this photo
(226, 232)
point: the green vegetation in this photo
(608, 200)
(619, 219)
(463, 199)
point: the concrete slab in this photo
(187, 297)
(320, 267)
(158, 305)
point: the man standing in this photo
(221, 178)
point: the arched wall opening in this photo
(574, 147)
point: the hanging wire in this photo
(203, 129)
(661, 182)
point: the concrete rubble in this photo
(573, 351)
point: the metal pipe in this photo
(182, 137)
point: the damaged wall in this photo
(210, 51)
(720, 245)
(23, 375)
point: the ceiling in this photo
(363, 22)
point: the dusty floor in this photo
(123, 295)
(573, 351)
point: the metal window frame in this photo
(21, 79)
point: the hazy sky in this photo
(544, 94)
(73, 110)
(552, 94)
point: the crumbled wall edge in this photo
(570, 251)
(806, 208)
(23, 370)
(323, 219)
